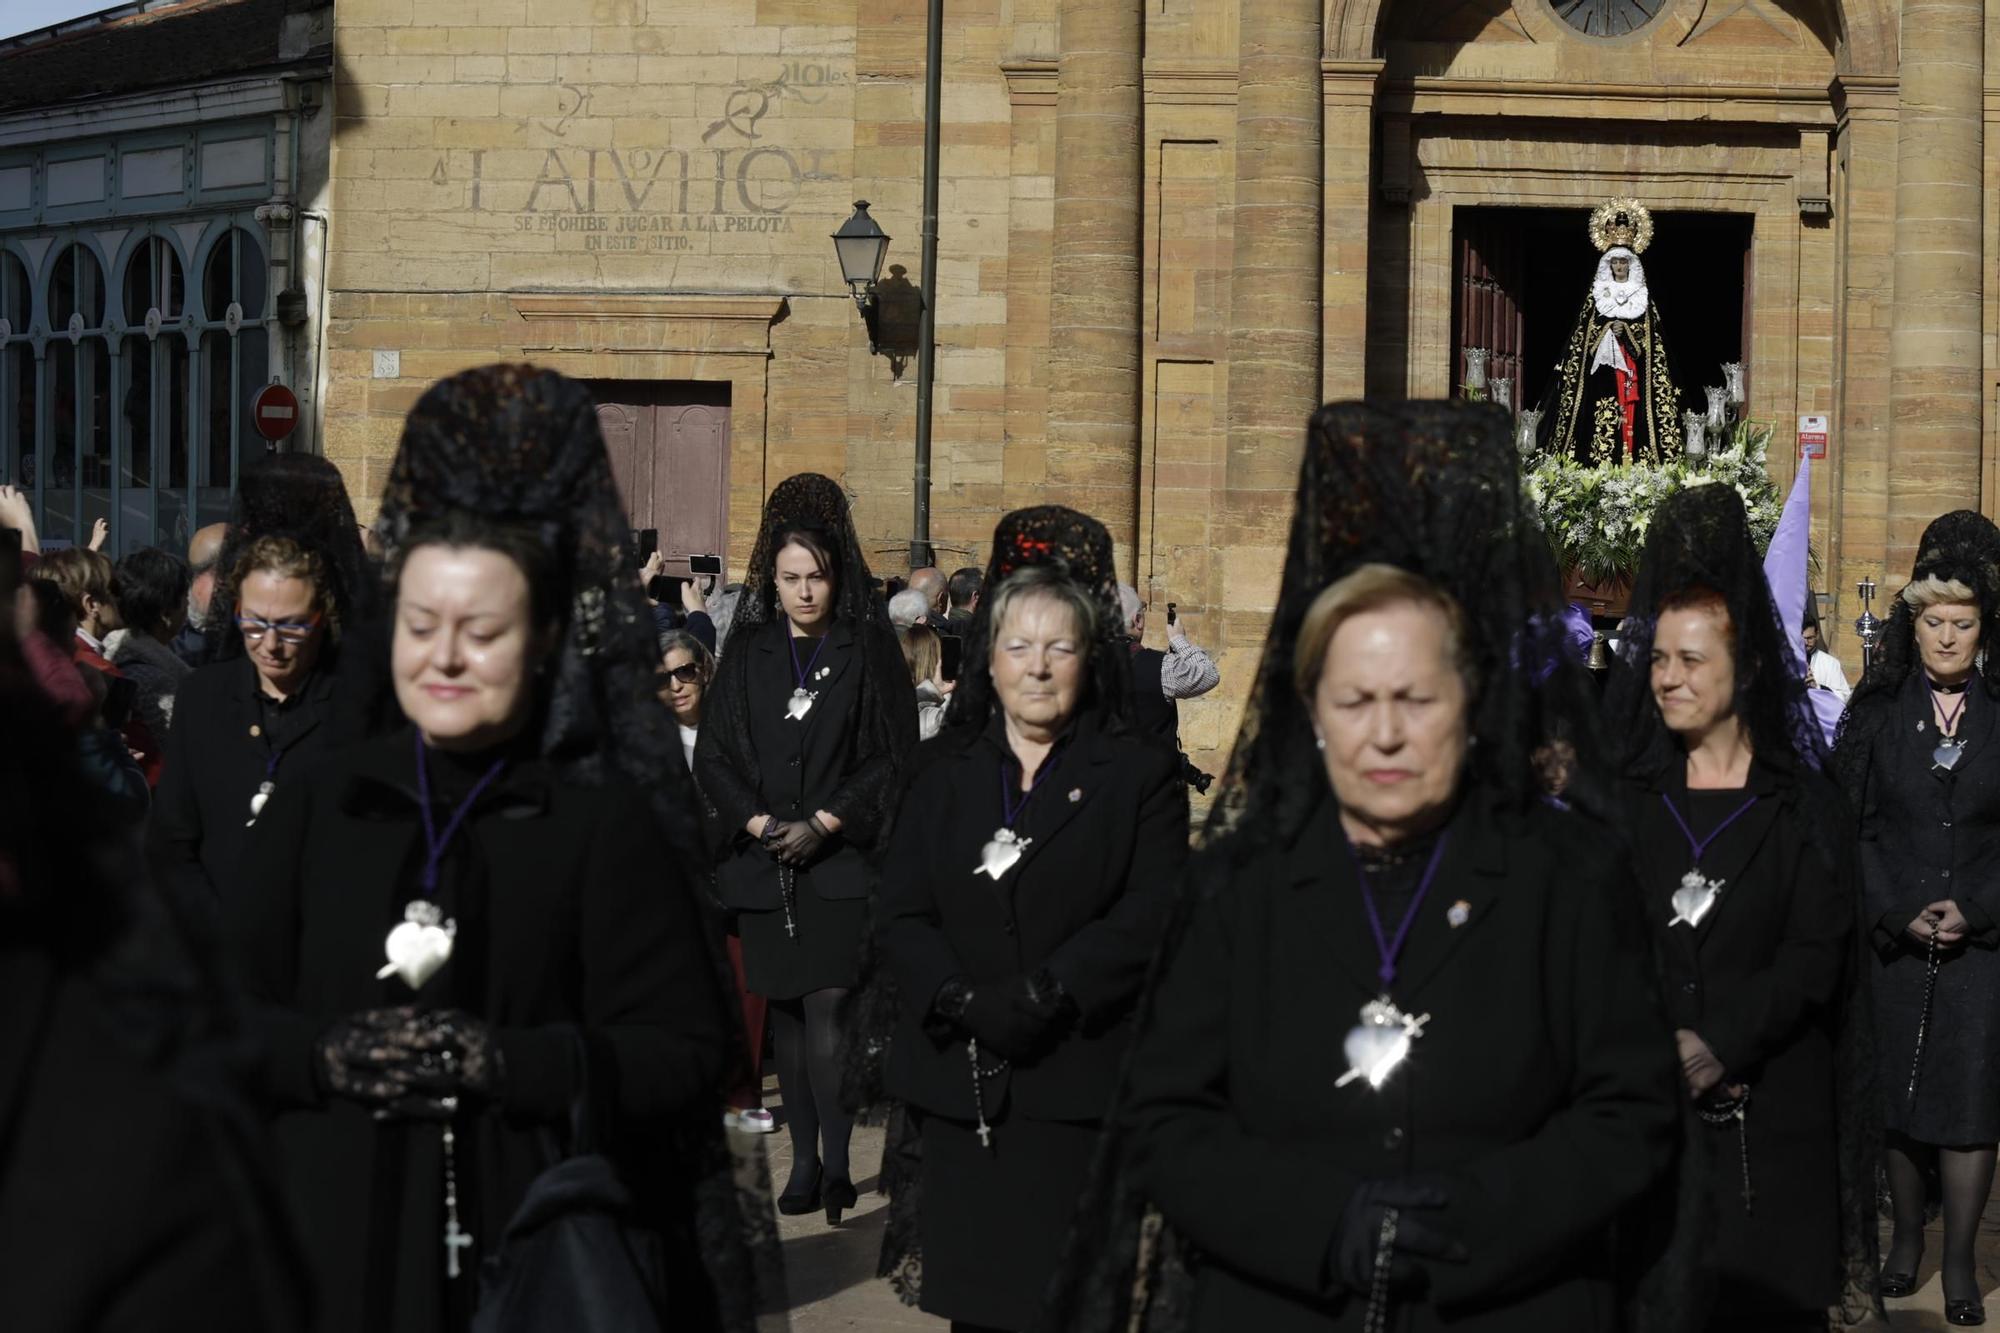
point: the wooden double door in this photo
(669, 445)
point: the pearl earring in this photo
(1320, 741)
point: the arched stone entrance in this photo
(1781, 111)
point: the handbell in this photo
(1600, 656)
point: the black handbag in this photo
(573, 1257)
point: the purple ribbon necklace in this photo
(801, 701)
(1379, 1044)
(266, 787)
(1949, 748)
(420, 943)
(1005, 847)
(1697, 895)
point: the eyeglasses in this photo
(289, 632)
(688, 673)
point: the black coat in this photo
(1926, 835)
(570, 917)
(1087, 900)
(791, 768)
(1543, 1089)
(214, 764)
(1761, 980)
(132, 1196)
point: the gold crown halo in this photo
(1621, 222)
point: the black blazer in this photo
(572, 916)
(1543, 1089)
(1927, 834)
(1762, 980)
(794, 767)
(214, 765)
(1087, 900)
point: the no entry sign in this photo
(274, 412)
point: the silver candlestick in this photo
(1867, 625)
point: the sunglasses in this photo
(687, 674)
(291, 632)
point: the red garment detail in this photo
(1628, 407)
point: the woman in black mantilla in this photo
(292, 589)
(1919, 756)
(1503, 1090)
(448, 932)
(805, 733)
(1749, 884)
(1023, 897)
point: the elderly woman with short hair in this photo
(1021, 901)
(1404, 1064)
(1919, 755)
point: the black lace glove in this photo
(1351, 1257)
(799, 842)
(997, 1015)
(356, 1057)
(1044, 997)
(448, 1056)
(404, 1061)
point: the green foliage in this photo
(1596, 518)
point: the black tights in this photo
(1966, 1178)
(806, 1040)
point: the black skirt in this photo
(994, 1221)
(824, 955)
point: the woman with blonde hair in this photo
(1919, 755)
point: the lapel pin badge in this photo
(1075, 795)
(824, 672)
(1458, 913)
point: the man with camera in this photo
(1161, 679)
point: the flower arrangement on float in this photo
(1596, 518)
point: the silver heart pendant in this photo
(1001, 853)
(1947, 755)
(258, 802)
(1377, 1047)
(798, 705)
(1374, 1052)
(1694, 899)
(416, 951)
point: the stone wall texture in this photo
(1168, 229)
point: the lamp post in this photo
(861, 246)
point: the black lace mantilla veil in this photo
(1082, 548)
(1701, 539)
(522, 445)
(1959, 547)
(303, 497)
(887, 705)
(1431, 487)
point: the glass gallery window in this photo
(124, 395)
(135, 288)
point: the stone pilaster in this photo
(1094, 380)
(1934, 344)
(1274, 303)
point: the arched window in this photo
(75, 485)
(17, 372)
(235, 362)
(153, 396)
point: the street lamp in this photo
(862, 246)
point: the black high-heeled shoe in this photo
(840, 1196)
(1965, 1314)
(796, 1202)
(1895, 1286)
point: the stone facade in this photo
(1168, 228)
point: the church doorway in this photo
(1521, 275)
